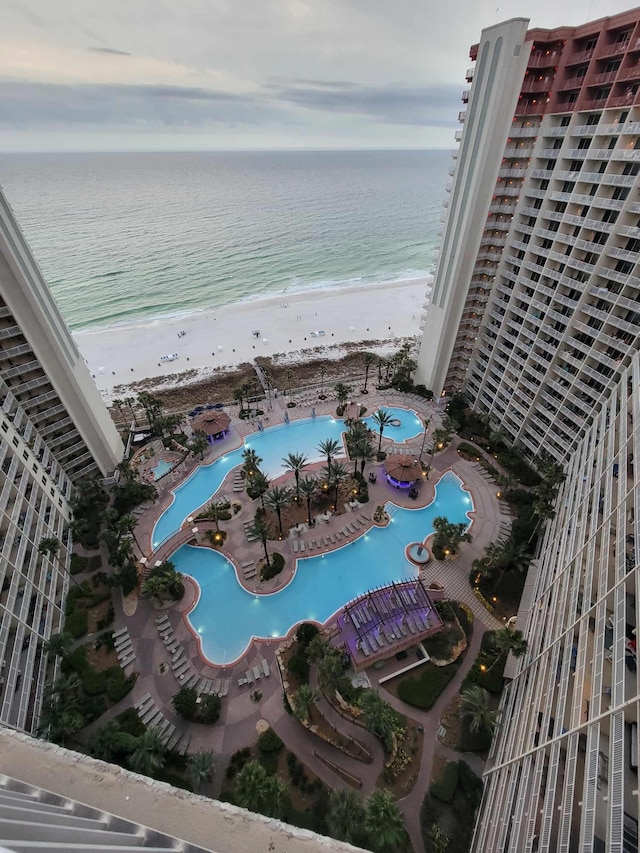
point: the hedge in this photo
(269, 741)
(277, 565)
(469, 449)
(76, 624)
(129, 721)
(445, 787)
(423, 690)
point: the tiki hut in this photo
(214, 424)
(402, 471)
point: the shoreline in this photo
(314, 319)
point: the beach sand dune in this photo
(239, 332)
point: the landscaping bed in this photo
(402, 774)
(422, 690)
(450, 804)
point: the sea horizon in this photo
(151, 235)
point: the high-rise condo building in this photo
(563, 770)
(536, 298)
(54, 431)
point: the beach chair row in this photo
(238, 482)
(256, 673)
(247, 531)
(181, 665)
(153, 718)
(249, 569)
(411, 623)
(355, 526)
(124, 647)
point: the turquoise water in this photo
(163, 467)
(227, 617)
(151, 235)
(410, 424)
(272, 445)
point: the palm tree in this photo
(257, 791)
(307, 488)
(475, 707)
(383, 822)
(323, 373)
(304, 700)
(49, 546)
(215, 511)
(260, 530)
(346, 815)
(126, 469)
(199, 443)
(288, 374)
(148, 756)
(508, 640)
(329, 447)
(378, 716)
(331, 670)
(336, 475)
(365, 453)
(130, 401)
(259, 486)
(155, 587)
(544, 510)
(342, 394)
(295, 462)
(58, 645)
(238, 396)
(382, 418)
(129, 523)
(251, 462)
(439, 839)
(317, 648)
(277, 498)
(368, 359)
(200, 767)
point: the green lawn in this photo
(422, 690)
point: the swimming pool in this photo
(163, 467)
(272, 445)
(227, 617)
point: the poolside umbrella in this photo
(403, 469)
(212, 422)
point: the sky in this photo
(98, 75)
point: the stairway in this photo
(34, 819)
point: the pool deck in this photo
(240, 714)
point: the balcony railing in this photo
(469, 74)
(529, 108)
(629, 74)
(548, 59)
(530, 130)
(581, 56)
(606, 77)
(462, 115)
(537, 84)
(465, 96)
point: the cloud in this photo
(425, 106)
(42, 105)
(110, 50)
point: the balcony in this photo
(594, 105)
(548, 59)
(571, 83)
(600, 79)
(623, 254)
(556, 131)
(462, 116)
(629, 74)
(624, 101)
(530, 108)
(523, 153)
(615, 49)
(512, 173)
(581, 56)
(520, 132)
(537, 84)
(469, 74)
(457, 135)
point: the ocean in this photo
(121, 236)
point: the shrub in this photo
(516, 465)
(441, 645)
(469, 741)
(423, 391)
(129, 721)
(306, 632)
(470, 783)
(107, 619)
(118, 686)
(185, 704)
(438, 552)
(299, 666)
(465, 618)
(237, 762)
(269, 741)
(78, 564)
(127, 578)
(210, 708)
(94, 682)
(445, 787)
(277, 565)
(76, 624)
(76, 661)
(422, 690)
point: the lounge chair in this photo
(294, 546)
(249, 677)
(224, 687)
(302, 546)
(265, 666)
(256, 673)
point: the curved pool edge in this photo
(450, 473)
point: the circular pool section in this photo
(418, 553)
(226, 617)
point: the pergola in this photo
(402, 470)
(387, 620)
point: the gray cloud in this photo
(424, 106)
(48, 105)
(32, 105)
(110, 50)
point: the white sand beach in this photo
(226, 336)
